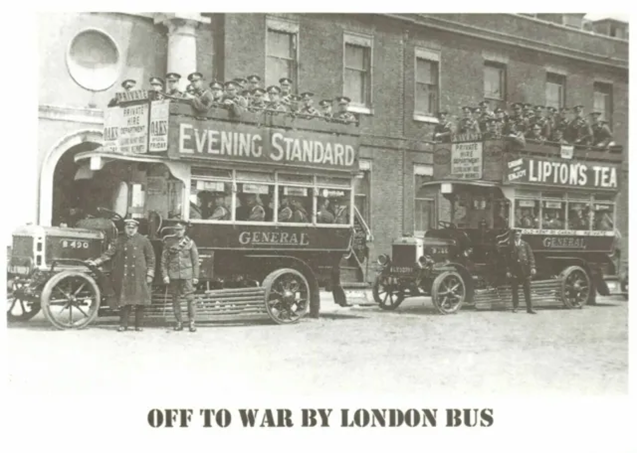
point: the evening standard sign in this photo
(236, 142)
(544, 172)
(126, 129)
(466, 160)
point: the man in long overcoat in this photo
(133, 269)
(180, 271)
(521, 267)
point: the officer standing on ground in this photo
(133, 267)
(521, 268)
(180, 270)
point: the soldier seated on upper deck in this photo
(128, 85)
(172, 88)
(602, 135)
(216, 89)
(231, 98)
(202, 98)
(343, 114)
(535, 134)
(274, 93)
(307, 109)
(444, 128)
(258, 102)
(326, 108)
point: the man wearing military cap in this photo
(468, 125)
(444, 128)
(258, 103)
(172, 85)
(578, 131)
(190, 91)
(286, 89)
(517, 123)
(156, 92)
(180, 271)
(133, 270)
(128, 85)
(240, 82)
(491, 132)
(307, 108)
(254, 82)
(202, 100)
(520, 270)
(485, 106)
(221, 211)
(231, 98)
(343, 114)
(275, 104)
(326, 108)
(341, 210)
(602, 135)
(216, 89)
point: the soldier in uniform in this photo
(190, 92)
(254, 82)
(485, 107)
(275, 104)
(326, 108)
(307, 109)
(535, 134)
(221, 211)
(527, 112)
(285, 213)
(578, 131)
(256, 213)
(258, 102)
(202, 100)
(216, 89)
(520, 269)
(285, 85)
(343, 113)
(180, 270)
(324, 214)
(133, 267)
(156, 92)
(341, 211)
(293, 104)
(128, 85)
(542, 119)
(467, 124)
(172, 88)
(517, 124)
(231, 98)
(444, 128)
(602, 135)
(557, 136)
(492, 132)
(299, 214)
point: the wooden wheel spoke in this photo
(79, 289)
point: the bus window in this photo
(603, 217)
(210, 200)
(254, 202)
(578, 216)
(527, 213)
(333, 206)
(295, 204)
(553, 215)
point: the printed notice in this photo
(158, 137)
(126, 129)
(466, 160)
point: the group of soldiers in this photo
(527, 122)
(243, 94)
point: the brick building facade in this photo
(399, 71)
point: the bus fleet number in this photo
(75, 244)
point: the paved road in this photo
(358, 350)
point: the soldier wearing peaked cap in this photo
(326, 108)
(257, 101)
(202, 98)
(232, 99)
(275, 104)
(172, 85)
(307, 107)
(216, 89)
(156, 89)
(444, 128)
(578, 131)
(602, 135)
(128, 85)
(221, 211)
(520, 269)
(467, 124)
(285, 84)
(133, 264)
(180, 271)
(343, 113)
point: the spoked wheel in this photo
(19, 309)
(71, 300)
(387, 293)
(576, 287)
(448, 292)
(287, 296)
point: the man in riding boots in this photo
(180, 271)
(520, 269)
(133, 271)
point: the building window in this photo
(494, 81)
(603, 101)
(282, 51)
(93, 60)
(427, 81)
(424, 200)
(555, 90)
(357, 70)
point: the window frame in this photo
(562, 77)
(423, 170)
(283, 26)
(431, 55)
(314, 185)
(361, 40)
(606, 115)
(503, 68)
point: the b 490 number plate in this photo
(66, 244)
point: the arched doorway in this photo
(61, 187)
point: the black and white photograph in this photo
(355, 228)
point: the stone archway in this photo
(59, 163)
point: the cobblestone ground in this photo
(354, 350)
